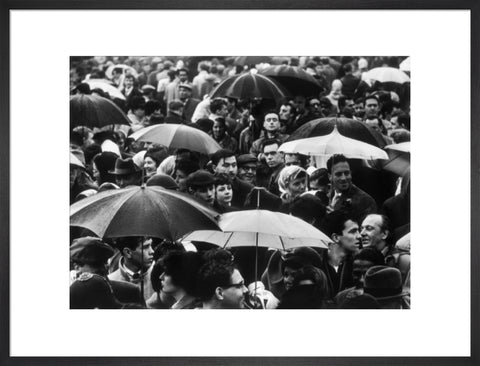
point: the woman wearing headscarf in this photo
(292, 182)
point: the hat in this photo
(92, 291)
(124, 167)
(246, 158)
(90, 250)
(200, 178)
(162, 180)
(186, 86)
(363, 301)
(147, 88)
(384, 283)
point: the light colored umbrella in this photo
(333, 143)
(106, 87)
(126, 70)
(398, 158)
(405, 65)
(386, 74)
(178, 136)
(76, 161)
(262, 228)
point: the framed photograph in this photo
(46, 47)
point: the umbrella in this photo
(331, 144)
(126, 70)
(94, 111)
(249, 86)
(347, 127)
(252, 60)
(386, 74)
(142, 211)
(294, 79)
(106, 87)
(405, 65)
(178, 136)
(76, 161)
(399, 158)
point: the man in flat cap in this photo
(127, 173)
(247, 166)
(89, 255)
(189, 103)
(201, 185)
(385, 285)
(175, 113)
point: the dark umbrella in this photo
(142, 211)
(294, 79)
(252, 60)
(94, 111)
(249, 86)
(347, 127)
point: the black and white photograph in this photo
(240, 182)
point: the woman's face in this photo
(223, 194)
(128, 82)
(150, 166)
(296, 187)
(218, 130)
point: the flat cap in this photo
(90, 250)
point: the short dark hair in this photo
(183, 268)
(270, 111)
(217, 104)
(334, 222)
(130, 242)
(187, 166)
(221, 154)
(308, 207)
(221, 179)
(268, 142)
(213, 274)
(371, 255)
(335, 159)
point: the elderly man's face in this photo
(233, 295)
(372, 233)
(227, 166)
(341, 177)
(272, 156)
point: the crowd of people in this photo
(363, 209)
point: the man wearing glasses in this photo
(221, 286)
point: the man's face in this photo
(206, 193)
(227, 166)
(126, 180)
(358, 109)
(218, 130)
(341, 177)
(182, 75)
(272, 156)
(246, 172)
(184, 93)
(234, 295)
(299, 104)
(271, 123)
(350, 238)
(372, 233)
(231, 104)
(285, 112)
(314, 106)
(360, 267)
(223, 111)
(288, 277)
(223, 194)
(371, 107)
(142, 256)
(128, 82)
(325, 108)
(292, 159)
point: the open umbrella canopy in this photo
(178, 136)
(142, 211)
(94, 111)
(386, 74)
(263, 228)
(294, 79)
(249, 86)
(125, 68)
(105, 86)
(252, 60)
(76, 161)
(347, 127)
(398, 158)
(333, 143)
(405, 64)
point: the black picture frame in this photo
(6, 6)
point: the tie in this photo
(335, 199)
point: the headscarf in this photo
(287, 175)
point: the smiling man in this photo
(345, 196)
(375, 231)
